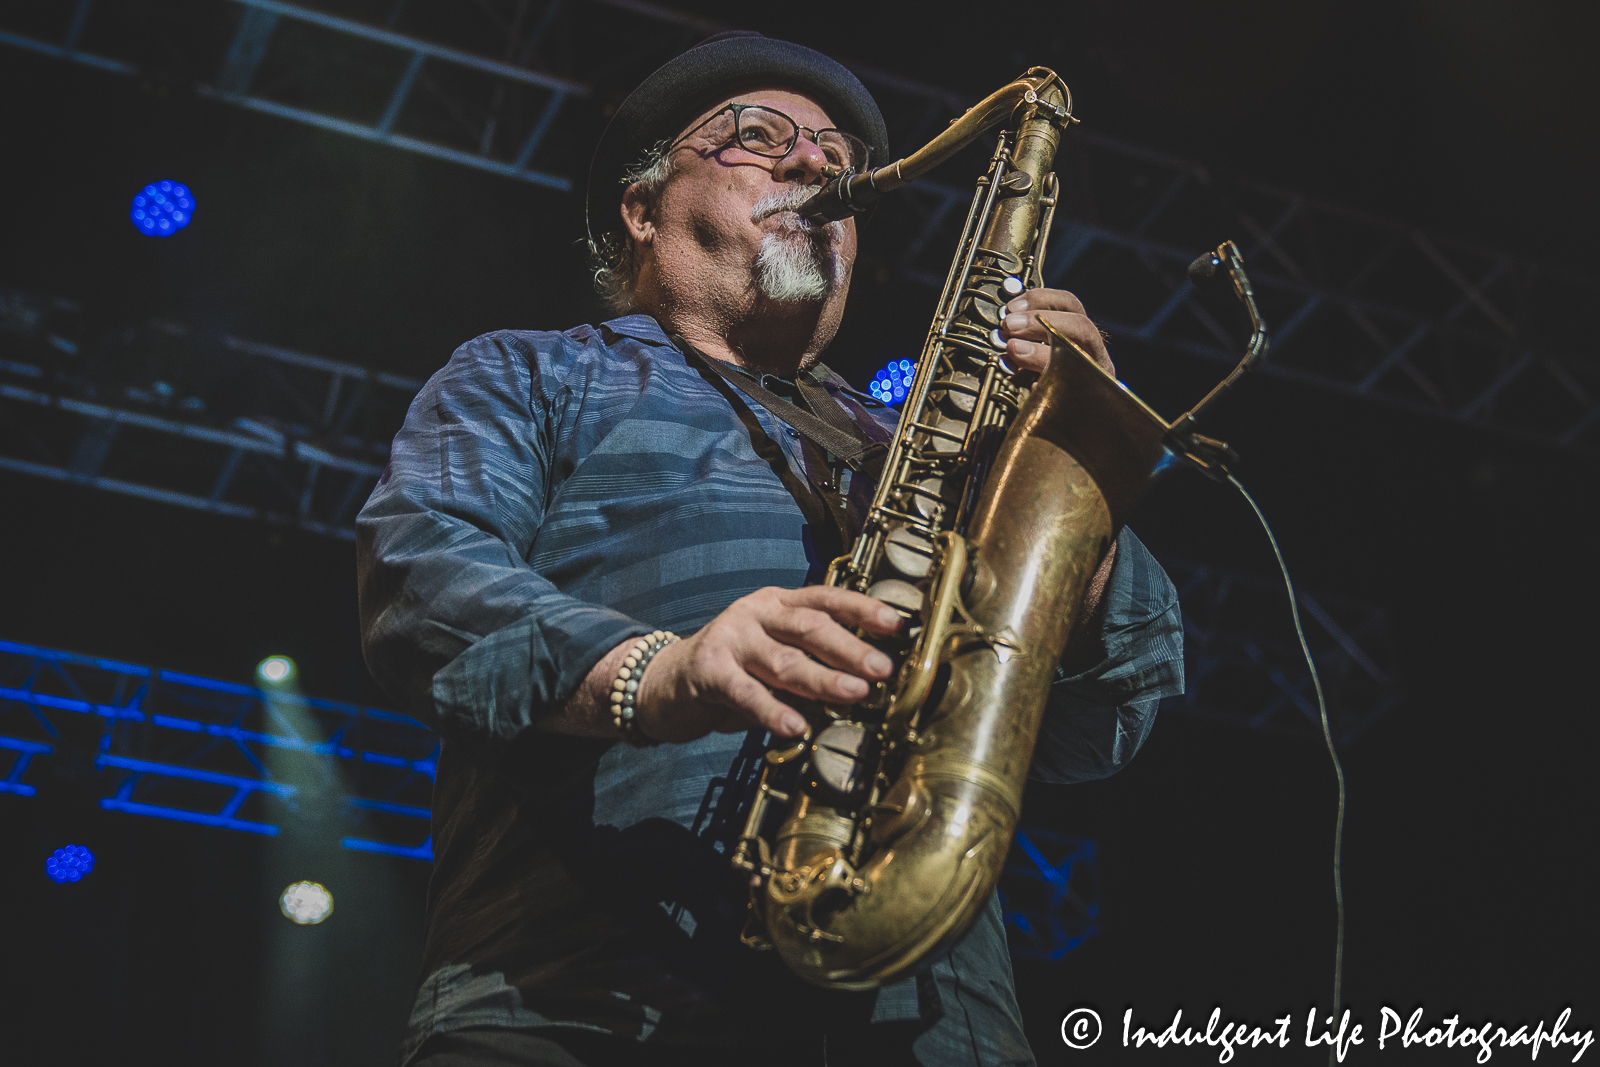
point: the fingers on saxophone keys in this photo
(1027, 355)
(850, 609)
(1022, 325)
(792, 670)
(756, 703)
(1078, 328)
(1031, 325)
(1065, 311)
(818, 634)
(1046, 300)
(1028, 343)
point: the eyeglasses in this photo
(772, 134)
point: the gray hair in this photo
(611, 253)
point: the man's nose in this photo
(803, 165)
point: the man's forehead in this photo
(797, 105)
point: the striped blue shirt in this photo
(551, 495)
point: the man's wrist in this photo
(624, 698)
(587, 713)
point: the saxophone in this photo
(996, 505)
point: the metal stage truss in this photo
(234, 757)
(213, 753)
(244, 429)
(1361, 305)
(211, 422)
(1243, 665)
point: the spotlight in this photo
(890, 384)
(306, 903)
(276, 670)
(69, 864)
(162, 208)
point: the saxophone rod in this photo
(850, 193)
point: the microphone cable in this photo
(1327, 736)
(1213, 458)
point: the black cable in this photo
(1327, 735)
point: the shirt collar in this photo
(642, 327)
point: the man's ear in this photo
(638, 214)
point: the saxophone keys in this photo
(928, 497)
(906, 805)
(1005, 644)
(777, 757)
(836, 757)
(1017, 182)
(755, 934)
(957, 394)
(909, 551)
(987, 303)
(946, 435)
(900, 595)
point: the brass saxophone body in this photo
(996, 505)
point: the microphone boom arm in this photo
(1212, 457)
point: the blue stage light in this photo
(890, 384)
(162, 208)
(69, 864)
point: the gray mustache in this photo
(789, 199)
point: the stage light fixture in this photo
(69, 864)
(306, 903)
(276, 670)
(162, 208)
(890, 384)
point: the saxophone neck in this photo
(1038, 93)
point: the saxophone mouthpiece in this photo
(846, 196)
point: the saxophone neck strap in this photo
(831, 531)
(825, 425)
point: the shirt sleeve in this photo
(456, 626)
(1096, 720)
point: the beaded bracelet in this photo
(626, 686)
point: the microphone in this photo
(1204, 268)
(1226, 259)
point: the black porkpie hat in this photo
(715, 69)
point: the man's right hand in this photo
(719, 680)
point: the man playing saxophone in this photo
(560, 505)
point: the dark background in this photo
(1471, 818)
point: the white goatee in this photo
(796, 263)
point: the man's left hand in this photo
(1027, 343)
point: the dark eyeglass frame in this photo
(737, 141)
